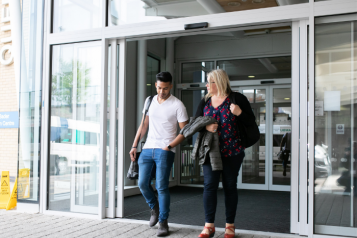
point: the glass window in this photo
(335, 146)
(263, 68)
(132, 11)
(30, 101)
(74, 150)
(153, 68)
(196, 72)
(76, 15)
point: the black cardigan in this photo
(245, 119)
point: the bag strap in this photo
(146, 111)
(232, 97)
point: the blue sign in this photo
(9, 119)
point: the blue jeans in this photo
(231, 166)
(163, 160)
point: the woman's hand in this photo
(235, 109)
(212, 127)
(166, 148)
(132, 154)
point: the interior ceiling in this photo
(240, 5)
(230, 5)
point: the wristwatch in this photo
(169, 146)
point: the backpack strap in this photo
(148, 105)
(149, 100)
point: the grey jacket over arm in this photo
(207, 143)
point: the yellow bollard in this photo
(5, 189)
(23, 188)
(13, 199)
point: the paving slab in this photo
(18, 225)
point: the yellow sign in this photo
(5, 189)
(24, 184)
(13, 199)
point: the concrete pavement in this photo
(14, 224)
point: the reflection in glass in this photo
(263, 68)
(74, 150)
(30, 105)
(76, 15)
(196, 72)
(191, 171)
(131, 11)
(335, 145)
(281, 136)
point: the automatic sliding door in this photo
(253, 171)
(74, 149)
(261, 168)
(279, 175)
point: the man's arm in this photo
(179, 138)
(139, 134)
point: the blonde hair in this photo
(221, 79)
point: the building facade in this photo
(9, 93)
(87, 67)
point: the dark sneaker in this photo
(163, 229)
(154, 215)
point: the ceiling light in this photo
(251, 76)
(287, 98)
(233, 4)
(258, 1)
(148, 84)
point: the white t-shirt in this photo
(163, 120)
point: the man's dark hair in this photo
(164, 77)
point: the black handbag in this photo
(133, 172)
(249, 134)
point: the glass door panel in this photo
(253, 170)
(335, 146)
(75, 128)
(261, 168)
(191, 171)
(281, 138)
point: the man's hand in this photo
(166, 148)
(212, 127)
(132, 154)
(235, 109)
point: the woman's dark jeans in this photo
(231, 166)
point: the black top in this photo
(247, 116)
(245, 119)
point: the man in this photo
(164, 113)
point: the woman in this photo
(218, 104)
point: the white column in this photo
(141, 81)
